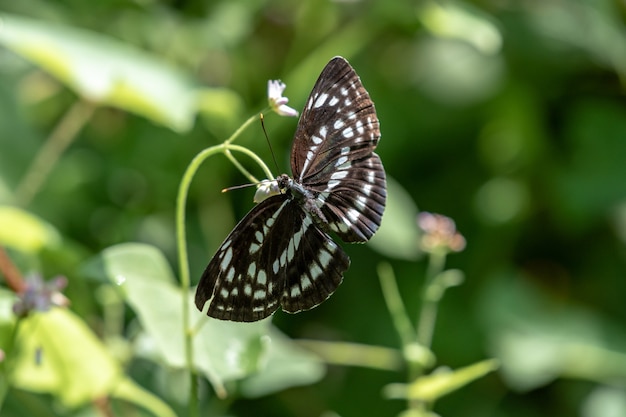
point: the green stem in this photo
(228, 147)
(430, 299)
(183, 261)
(396, 308)
(354, 354)
(244, 126)
(61, 137)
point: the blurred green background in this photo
(507, 116)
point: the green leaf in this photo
(285, 365)
(224, 350)
(461, 21)
(539, 340)
(398, 235)
(24, 231)
(130, 262)
(104, 70)
(58, 354)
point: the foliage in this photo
(508, 117)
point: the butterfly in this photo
(281, 253)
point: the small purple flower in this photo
(439, 233)
(39, 295)
(278, 103)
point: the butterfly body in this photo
(281, 252)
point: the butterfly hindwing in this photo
(354, 204)
(274, 256)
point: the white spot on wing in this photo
(230, 274)
(261, 277)
(228, 256)
(254, 248)
(305, 282)
(325, 257)
(295, 291)
(353, 215)
(320, 100)
(338, 175)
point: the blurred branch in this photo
(353, 354)
(12, 275)
(61, 137)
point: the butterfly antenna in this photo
(268, 142)
(237, 187)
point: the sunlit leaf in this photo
(104, 70)
(223, 350)
(285, 365)
(605, 401)
(455, 73)
(58, 354)
(24, 231)
(461, 21)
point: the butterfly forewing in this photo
(338, 124)
(354, 206)
(333, 153)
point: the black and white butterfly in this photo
(281, 253)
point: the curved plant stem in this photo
(430, 299)
(396, 308)
(183, 261)
(61, 137)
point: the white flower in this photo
(275, 97)
(265, 190)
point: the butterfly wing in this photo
(274, 256)
(333, 153)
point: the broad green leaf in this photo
(130, 262)
(223, 350)
(538, 340)
(58, 354)
(24, 231)
(285, 365)
(104, 70)
(146, 281)
(398, 235)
